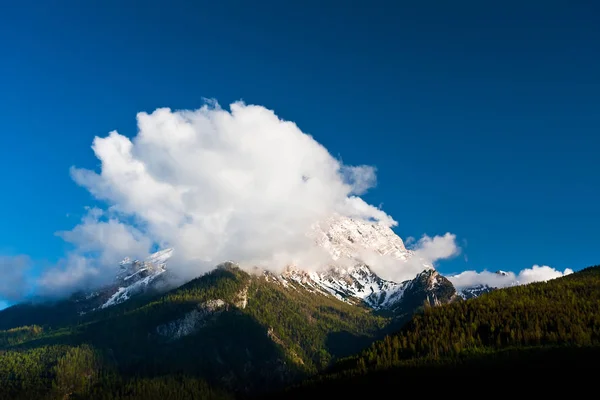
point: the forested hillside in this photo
(234, 330)
(231, 332)
(64, 372)
(552, 326)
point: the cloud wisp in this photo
(536, 273)
(427, 252)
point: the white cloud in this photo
(73, 272)
(217, 185)
(427, 251)
(361, 178)
(540, 273)
(100, 241)
(107, 240)
(13, 277)
(534, 274)
(436, 248)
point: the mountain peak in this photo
(137, 276)
(430, 277)
(345, 237)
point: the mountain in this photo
(474, 291)
(350, 280)
(243, 332)
(251, 333)
(348, 238)
(552, 328)
(346, 277)
(135, 277)
(238, 331)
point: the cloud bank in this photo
(534, 274)
(216, 184)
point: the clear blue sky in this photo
(483, 120)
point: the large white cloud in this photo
(217, 184)
(534, 274)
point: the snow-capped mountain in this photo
(134, 277)
(359, 283)
(474, 291)
(347, 277)
(348, 239)
(137, 276)
(345, 237)
(352, 284)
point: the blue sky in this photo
(482, 120)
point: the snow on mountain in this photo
(348, 284)
(474, 291)
(137, 276)
(347, 239)
(347, 277)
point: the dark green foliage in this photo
(161, 388)
(307, 323)
(526, 372)
(22, 334)
(28, 374)
(264, 335)
(76, 372)
(61, 372)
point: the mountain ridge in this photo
(346, 277)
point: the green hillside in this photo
(231, 332)
(236, 331)
(552, 327)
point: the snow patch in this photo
(349, 285)
(136, 276)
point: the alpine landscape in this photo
(299, 200)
